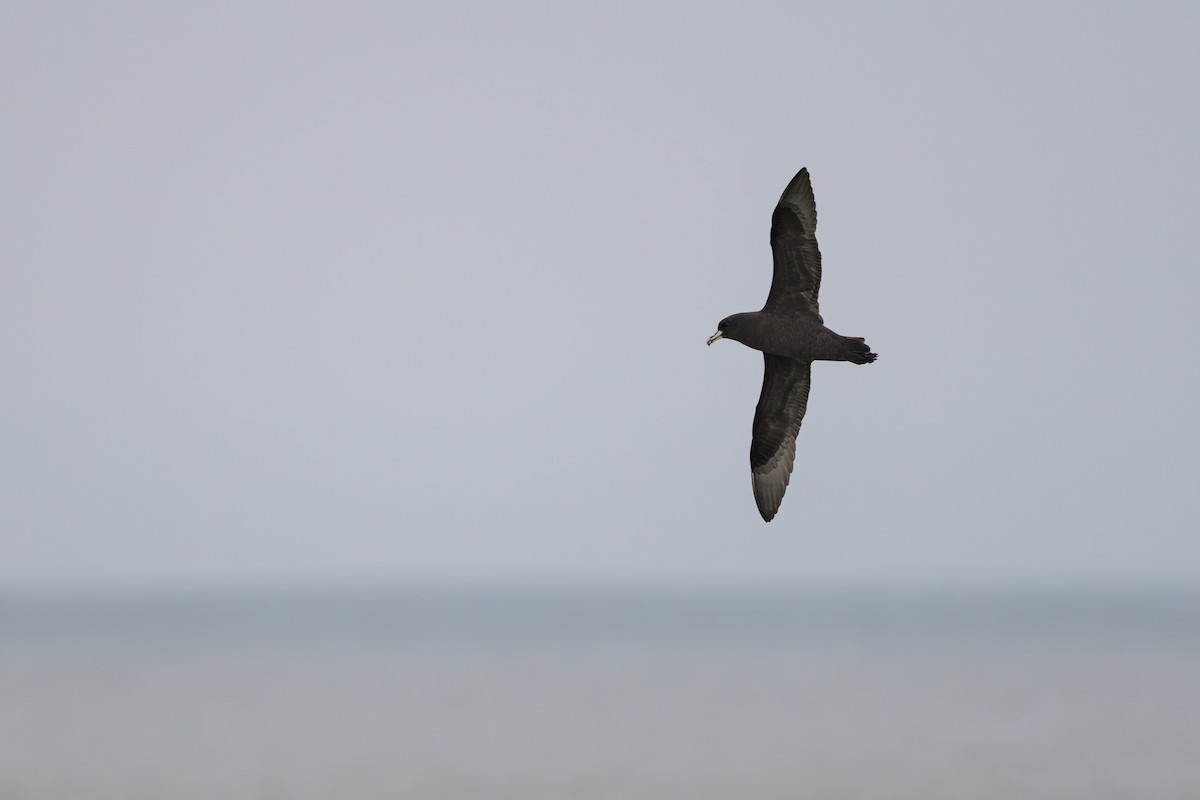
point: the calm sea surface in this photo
(569, 695)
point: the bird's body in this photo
(791, 334)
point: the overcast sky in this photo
(396, 292)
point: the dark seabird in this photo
(791, 335)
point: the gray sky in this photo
(397, 292)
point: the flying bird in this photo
(791, 335)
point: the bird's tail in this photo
(857, 351)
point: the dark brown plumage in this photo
(791, 334)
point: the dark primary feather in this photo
(797, 279)
(777, 419)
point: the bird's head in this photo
(728, 328)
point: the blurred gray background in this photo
(418, 293)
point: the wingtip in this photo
(766, 499)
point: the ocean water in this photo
(579, 695)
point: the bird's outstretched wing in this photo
(777, 420)
(797, 280)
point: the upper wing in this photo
(797, 278)
(777, 420)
